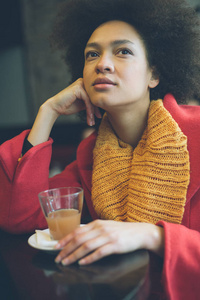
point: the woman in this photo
(139, 172)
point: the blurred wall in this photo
(31, 71)
(13, 104)
(46, 69)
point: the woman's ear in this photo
(154, 81)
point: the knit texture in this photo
(146, 184)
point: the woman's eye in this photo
(91, 54)
(124, 52)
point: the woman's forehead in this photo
(113, 31)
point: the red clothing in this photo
(22, 181)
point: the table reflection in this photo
(33, 274)
(113, 277)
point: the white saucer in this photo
(33, 243)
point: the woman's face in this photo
(116, 72)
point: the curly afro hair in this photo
(170, 30)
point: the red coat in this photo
(21, 182)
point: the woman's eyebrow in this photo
(120, 42)
(113, 43)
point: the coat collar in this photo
(188, 118)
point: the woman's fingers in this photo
(101, 252)
(83, 250)
(76, 237)
(91, 110)
(80, 242)
(102, 238)
(96, 248)
(74, 99)
(91, 238)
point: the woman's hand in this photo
(100, 238)
(69, 101)
(72, 100)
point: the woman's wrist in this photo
(48, 110)
(43, 124)
(155, 240)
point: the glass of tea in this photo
(62, 208)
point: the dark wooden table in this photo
(30, 274)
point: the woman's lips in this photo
(102, 83)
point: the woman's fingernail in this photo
(57, 246)
(91, 122)
(65, 262)
(57, 260)
(81, 262)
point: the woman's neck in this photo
(129, 125)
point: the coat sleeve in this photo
(20, 183)
(181, 272)
(181, 276)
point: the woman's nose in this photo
(105, 65)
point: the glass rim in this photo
(45, 192)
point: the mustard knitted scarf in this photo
(146, 184)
